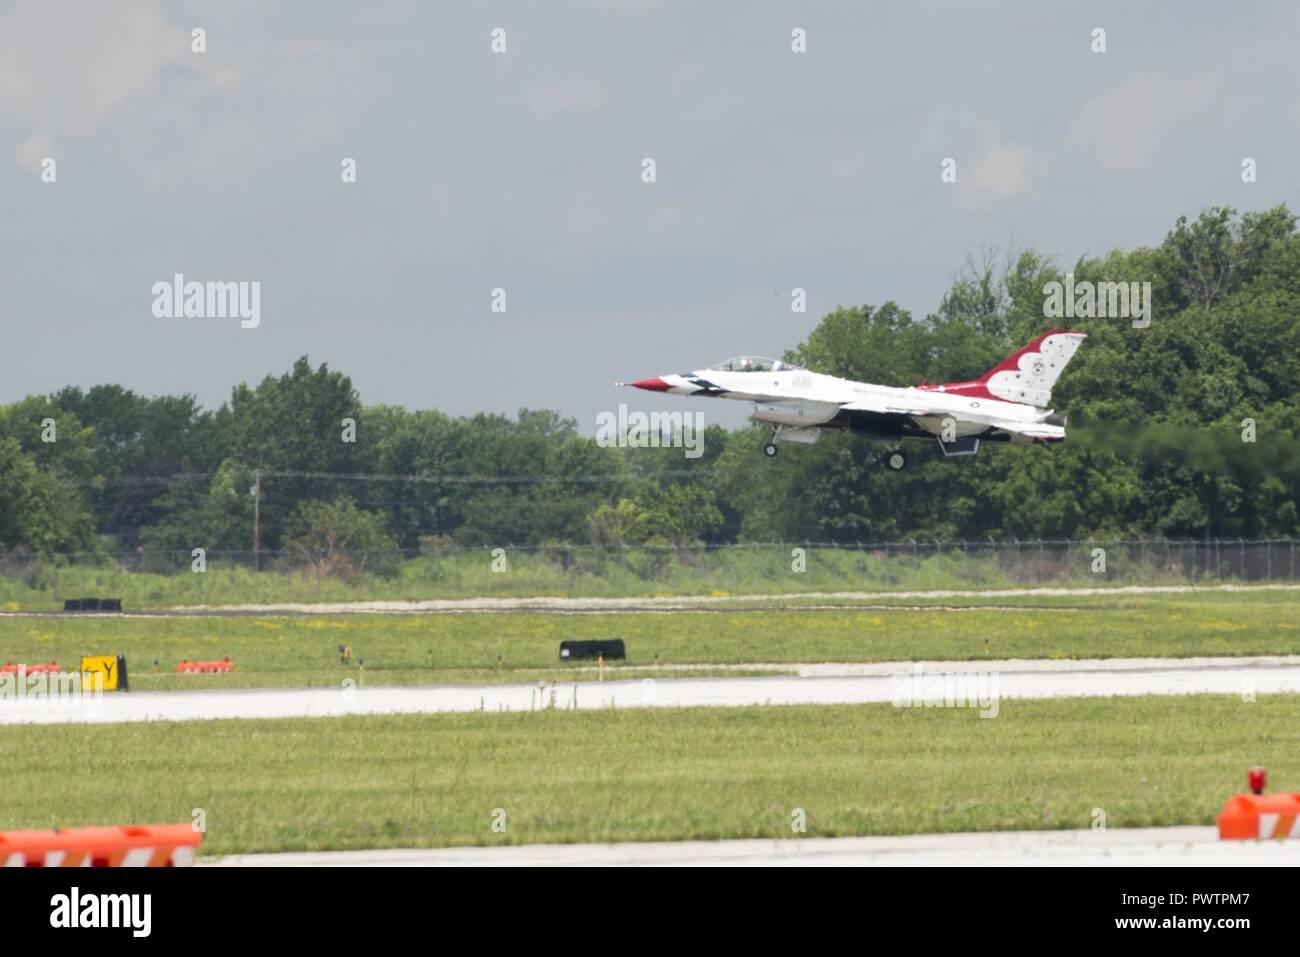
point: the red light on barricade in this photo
(1257, 778)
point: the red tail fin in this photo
(1027, 375)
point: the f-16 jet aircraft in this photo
(1009, 403)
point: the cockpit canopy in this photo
(753, 364)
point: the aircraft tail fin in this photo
(1027, 375)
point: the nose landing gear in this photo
(770, 449)
(895, 460)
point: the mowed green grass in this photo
(300, 651)
(587, 570)
(435, 780)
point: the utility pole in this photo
(257, 516)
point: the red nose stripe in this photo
(654, 385)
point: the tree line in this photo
(1189, 428)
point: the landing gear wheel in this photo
(770, 449)
(895, 461)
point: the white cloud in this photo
(1126, 128)
(122, 78)
(63, 66)
(32, 151)
(1000, 172)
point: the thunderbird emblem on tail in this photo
(1009, 403)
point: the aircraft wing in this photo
(1052, 429)
(883, 407)
(1034, 430)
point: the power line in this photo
(391, 477)
(490, 479)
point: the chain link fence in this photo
(444, 570)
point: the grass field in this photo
(421, 781)
(300, 651)
(592, 571)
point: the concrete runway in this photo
(813, 684)
(1137, 847)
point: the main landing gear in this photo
(895, 460)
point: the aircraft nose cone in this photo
(651, 385)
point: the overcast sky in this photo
(523, 170)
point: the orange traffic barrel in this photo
(1260, 817)
(132, 845)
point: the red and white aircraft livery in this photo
(1009, 403)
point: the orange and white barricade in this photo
(132, 845)
(204, 667)
(9, 668)
(1249, 817)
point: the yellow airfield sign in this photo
(110, 669)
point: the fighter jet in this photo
(1009, 403)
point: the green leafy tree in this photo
(38, 513)
(337, 538)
